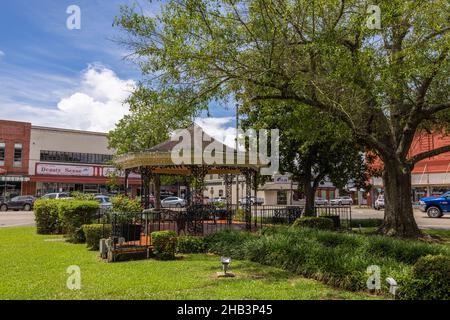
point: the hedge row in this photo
(64, 217)
(94, 233)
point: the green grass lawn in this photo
(34, 267)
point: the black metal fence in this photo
(134, 229)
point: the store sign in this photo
(281, 179)
(3, 171)
(14, 179)
(48, 169)
(64, 170)
(108, 171)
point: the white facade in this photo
(43, 138)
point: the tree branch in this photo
(430, 110)
(428, 154)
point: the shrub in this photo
(123, 204)
(46, 215)
(314, 222)
(407, 251)
(82, 196)
(228, 242)
(338, 259)
(164, 244)
(335, 218)
(74, 214)
(430, 279)
(366, 223)
(94, 233)
(189, 244)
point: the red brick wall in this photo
(12, 132)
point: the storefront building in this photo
(14, 156)
(38, 160)
(430, 177)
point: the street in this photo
(22, 219)
(16, 219)
(422, 219)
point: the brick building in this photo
(37, 160)
(14, 156)
(430, 176)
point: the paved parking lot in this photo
(16, 219)
(22, 219)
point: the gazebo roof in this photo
(159, 158)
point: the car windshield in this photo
(447, 194)
(16, 199)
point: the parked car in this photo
(164, 195)
(173, 202)
(379, 203)
(321, 201)
(105, 201)
(436, 207)
(340, 201)
(56, 195)
(252, 200)
(24, 203)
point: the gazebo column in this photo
(127, 173)
(146, 177)
(199, 173)
(255, 192)
(157, 181)
(228, 179)
(248, 173)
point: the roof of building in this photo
(160, 157)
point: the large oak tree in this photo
(385, 84)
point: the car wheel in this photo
(27, 207)
(178, 205)
(3, 207)
(339, 203)
(434, 212)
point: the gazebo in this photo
(194, 153)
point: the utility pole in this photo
(237, 146)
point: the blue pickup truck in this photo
(436, 207)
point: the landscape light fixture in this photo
(225, 263)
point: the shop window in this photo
(282, 197)
(74, 157)
(18, 155)
(2, 153)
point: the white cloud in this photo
(219, 128)
(96, 105)
(2, 54)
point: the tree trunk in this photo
(398, 216)
(310, 193)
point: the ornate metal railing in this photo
(201, 220)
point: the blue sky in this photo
(54, 76)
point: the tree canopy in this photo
(385, 84)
